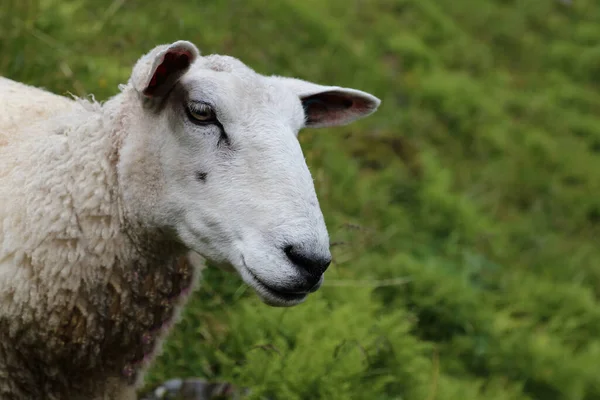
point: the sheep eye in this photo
(201, 113)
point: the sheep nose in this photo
(314, 263)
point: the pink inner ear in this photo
(328, 106)
(334, 107)
(173, 62)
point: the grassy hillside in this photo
(464, 215)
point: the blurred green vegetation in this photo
(464, 214)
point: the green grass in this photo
(477, 182)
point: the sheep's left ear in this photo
(331, 105)
(156, 72)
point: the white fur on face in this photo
(237, 191)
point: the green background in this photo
(464, 215)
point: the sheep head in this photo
(212, 156)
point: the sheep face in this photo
(214, 158)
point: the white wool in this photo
(108, 210)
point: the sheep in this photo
(106, 207)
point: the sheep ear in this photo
(331, 105)
(156, 72)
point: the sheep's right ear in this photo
(156, 73)
(330, 105)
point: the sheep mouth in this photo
(281, 298)
(272, 296)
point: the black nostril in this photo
(312, 263)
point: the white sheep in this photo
(100, 204)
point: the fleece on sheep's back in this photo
(22, 105)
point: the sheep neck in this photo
(103, 297)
